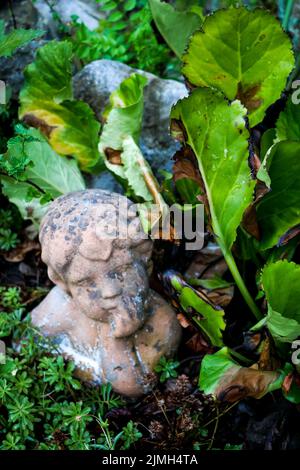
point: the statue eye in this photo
(117, 274)
(82, 282)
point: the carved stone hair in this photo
(94, 223)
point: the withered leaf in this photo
(241, 382)
(248, 96)
(32, 121)
(113, 156)
(292, 233)
(186, 166)
(18, 254)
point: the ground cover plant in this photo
(235, 383)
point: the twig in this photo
(12, 14)
(215, 430)
(161, 407)
(220, 415)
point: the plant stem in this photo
(240, 357)
(287, 14)
(241, 285)
(10, 6)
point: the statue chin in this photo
(123, 343)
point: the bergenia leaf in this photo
(226, 380)
(141, 183)
(50, 172)
(216, 132)
(46, 103)
(237, 52)
(175, 26)
(16, 38)
(137, 171)
(210, 318)
(278, 211)
(47, 171)
(288, 123)
(48, 78)
(281, 282)
(121, 154)
(123, 116)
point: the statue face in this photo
(104, 290)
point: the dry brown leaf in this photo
(207, 264)
(267, 359)
(184, 322)
(198, 344)
(293, 232)
(18, 254)
(113, 156)
(185, 166)
(241, 382)
(287, 383)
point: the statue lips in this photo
(106, 305)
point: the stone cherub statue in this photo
(102, 313)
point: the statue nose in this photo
(110, 290)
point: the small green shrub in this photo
(42, 405)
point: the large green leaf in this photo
(46, 103)
(137, 170)
(48, 78)
(47, 173)
(279, 210)
(281, 282)
(50, 172)
(16, 38)
(123, 117)
(243, 53)
(175, 26)
(141, 184)
(119, 149)
(216, 132)
(211, 317)
(226, 380)
(288, 123)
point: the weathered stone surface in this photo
(102, 312)
(39, 16)
(12, 68)
(87, 11)
(94, 84)
(24, 12)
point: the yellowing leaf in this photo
(47, 104)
